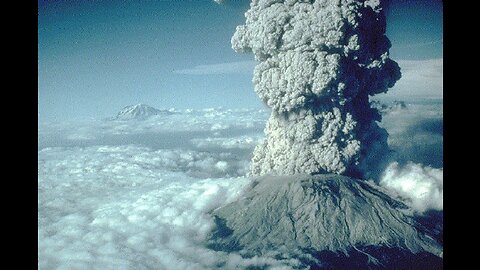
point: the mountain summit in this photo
(139, 112)
(331, 218)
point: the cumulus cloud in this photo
(420, 186)
(138, 194)
(318, 63)
(128, 207)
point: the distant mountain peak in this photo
(139, 112)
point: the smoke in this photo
(317, 64)
(420, 186)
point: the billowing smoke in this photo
(317, 64)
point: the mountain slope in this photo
(139, 112)
(323, 214)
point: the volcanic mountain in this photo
(332, 221)
(139, 112)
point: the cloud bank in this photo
(127, 207)
(138, 194)
(416, 133)
(420, 78)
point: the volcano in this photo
(332, 221)
(139, 112)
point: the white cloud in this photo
(137, 194)
(416, 133)
(420, 78)
(241, 142)
(128, 207)
(160, 131)
(416, 137)
(241, 67)
(421, 186)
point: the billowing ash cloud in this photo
(318, 63)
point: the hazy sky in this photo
(95, 57)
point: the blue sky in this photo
(95, 57)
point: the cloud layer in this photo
(127, 207)
(138, 194)
(416, 133)
(241, 67)
(420, 78)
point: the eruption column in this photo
(317, 64)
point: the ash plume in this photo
(317, 64)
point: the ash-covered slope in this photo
(139, 112)
(324, 213)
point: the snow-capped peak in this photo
(139, 111)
